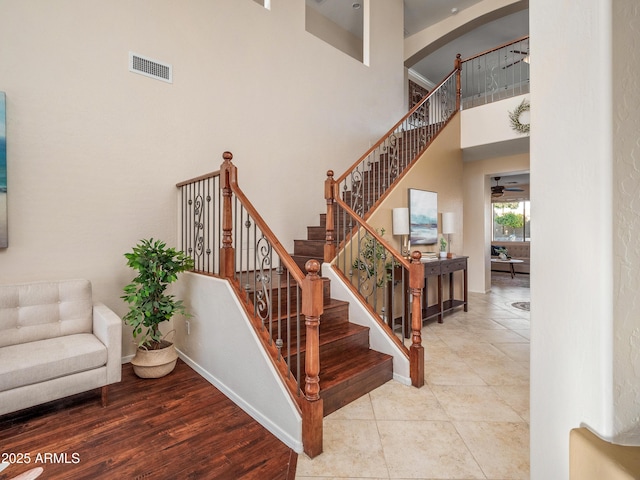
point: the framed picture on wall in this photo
(4, 232)
(423, 217)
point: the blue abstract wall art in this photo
(4, 231)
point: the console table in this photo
(437, 268)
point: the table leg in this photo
(513, 272)
(440, 306)
(465, 287)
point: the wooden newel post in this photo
(228, 174)
(416, 351)
(312, 408)
(458, 67)
(330, 243)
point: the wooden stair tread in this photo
(344, 367)
(352, 374)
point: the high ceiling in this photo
(420, 14)
(438, 64)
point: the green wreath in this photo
(514, 117)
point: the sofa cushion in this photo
(41, 310)
(34, 362)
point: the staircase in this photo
(348, 366)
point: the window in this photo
(511, 221)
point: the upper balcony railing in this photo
(496, 74)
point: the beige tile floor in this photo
(469, 421)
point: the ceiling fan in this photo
(524, 59)
(498, 190)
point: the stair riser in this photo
(280, 297)
(317, 233)
(311, 248)
(331, 316)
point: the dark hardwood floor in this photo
(177, 427)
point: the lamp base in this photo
(406, 246)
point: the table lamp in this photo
(448, 221)
(400, 226)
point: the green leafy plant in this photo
(511, 220)
(443, 244)
(149, 305)
(374, 260)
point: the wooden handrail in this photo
(393, 129)
(312, 305)
(333, 199)
(198, 179)
(416, 286)
(372, 231)
(289, 264)
(526, 37)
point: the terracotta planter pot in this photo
(155, 363)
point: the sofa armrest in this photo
(107, 326)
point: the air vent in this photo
(150, 68)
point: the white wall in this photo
(94, 151)
(223, 347)
(626, 230)
(490, 123)
(581, 318)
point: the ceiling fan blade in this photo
(520, 52)
(513, 189)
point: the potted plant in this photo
(149, 304)
(443, 248)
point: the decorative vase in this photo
(155, 363)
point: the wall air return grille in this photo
(150, 68)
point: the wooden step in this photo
(335, 311)
(347, 376)
(333, 340)
(282, 296)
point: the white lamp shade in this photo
(448, 222)
(400, 221)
